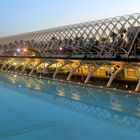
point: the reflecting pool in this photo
(39, 109)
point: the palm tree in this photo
(21, 42)
(103, 39)
(16, 42)
(113, 35)
(92, 40)
(122, 30)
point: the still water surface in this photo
(37, 109)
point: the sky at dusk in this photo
(19, 16)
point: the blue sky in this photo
(18, 16)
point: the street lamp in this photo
(18, 49)
(60, 48)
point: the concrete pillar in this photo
(91, 72)
(45, 68)
(3, 66)
(114, 75)
(25, 66)
(138, 84)
(18, 65)
(73, 70)
(31, 72)
(58, 69)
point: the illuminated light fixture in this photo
(60, 48)
(15, 75)
(22, 63)
(46, 64)
(14, 63)
(18, 49)
(25, 50)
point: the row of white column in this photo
(73, 70)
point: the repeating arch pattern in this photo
(106, 36)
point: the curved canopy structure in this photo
(112, 36)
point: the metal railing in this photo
(81, 55)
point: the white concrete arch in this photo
(31, 72)
(4, 65)
(97, 66)
(50, 63)
(25, 66)
(73, 70)
(59, 68)
(114, 75)
(138, 84)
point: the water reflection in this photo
(61, 92)
(13, 81)
(75, 95)
(115, 103)
(110, 106)
(37, 87)
(28, 84)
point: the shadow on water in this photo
(111, 106)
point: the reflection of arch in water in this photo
(99, 105)
(112, 117)
(60, 91)
(75, 95)
(115, 102)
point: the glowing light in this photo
(18, 49)
(46, 64)
(14, 63)
(25, 50)
(22, 63)
(15, 75)
(60, 48)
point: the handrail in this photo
(85, 55)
